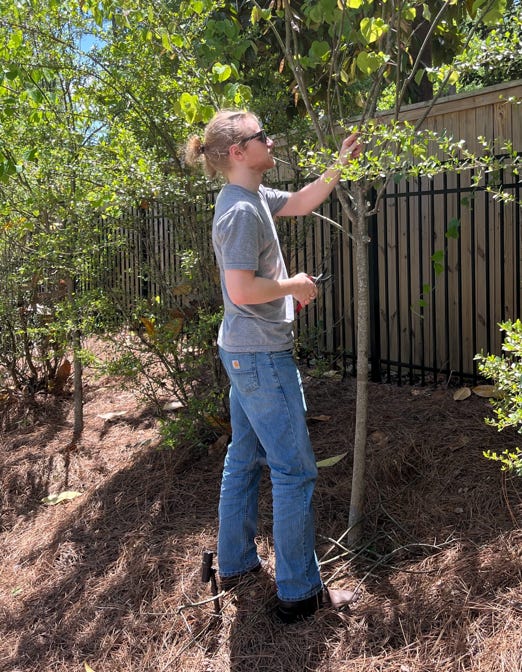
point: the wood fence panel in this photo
(444, 328)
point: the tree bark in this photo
(356, 516)
(78, 386)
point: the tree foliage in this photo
(97, 99)
(506, 372)
(494, 54)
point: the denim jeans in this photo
(267, 410)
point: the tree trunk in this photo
(78, 386)
(361, 419)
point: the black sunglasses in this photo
(260, 135)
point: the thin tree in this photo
(387, 45)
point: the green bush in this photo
(506, 373)
(165, 359)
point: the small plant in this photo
(506, 372)
(166, 358)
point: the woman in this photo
(255, 345)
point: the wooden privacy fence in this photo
(428, 320)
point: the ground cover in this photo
(107, 580)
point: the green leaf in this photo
(188, 106)
(64, 496)
(453, 228)
(196, 6)
(12, 73)
(410, 13)
(319, 51)
(419, 75)
(315, 14)
(438, 261)
(330, 461)
(35, 95)
(493, 14)
(165, 41)
(370, 61)
(372, 29)
(258, 14)
(15, 40)
(7, 170)
(238, 94)
(221, 72)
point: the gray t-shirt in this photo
(245, 238)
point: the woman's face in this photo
(256, 146)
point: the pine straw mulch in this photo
(108, 579)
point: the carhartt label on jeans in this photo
(235, 364)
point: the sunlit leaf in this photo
(370, 61)
(111, 415)
(372, 29)
(173, 405)
(461, 394)
(330, 461)
(221, 72)
(64, 496)
(487, 391)
(149, 326)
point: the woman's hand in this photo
(304, 289)
(350, 149)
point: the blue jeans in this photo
(267, 411)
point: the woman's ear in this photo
(235, 152)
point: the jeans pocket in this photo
(242, 371)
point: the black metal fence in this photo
(445, 270)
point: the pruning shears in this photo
(318, 280)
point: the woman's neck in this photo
(247, 179)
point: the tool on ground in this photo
(318, 280)
(208, 573)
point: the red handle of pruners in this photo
(316, 279)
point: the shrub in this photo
(506, 372)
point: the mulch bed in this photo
(109, 580)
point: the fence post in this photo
(375, 306)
